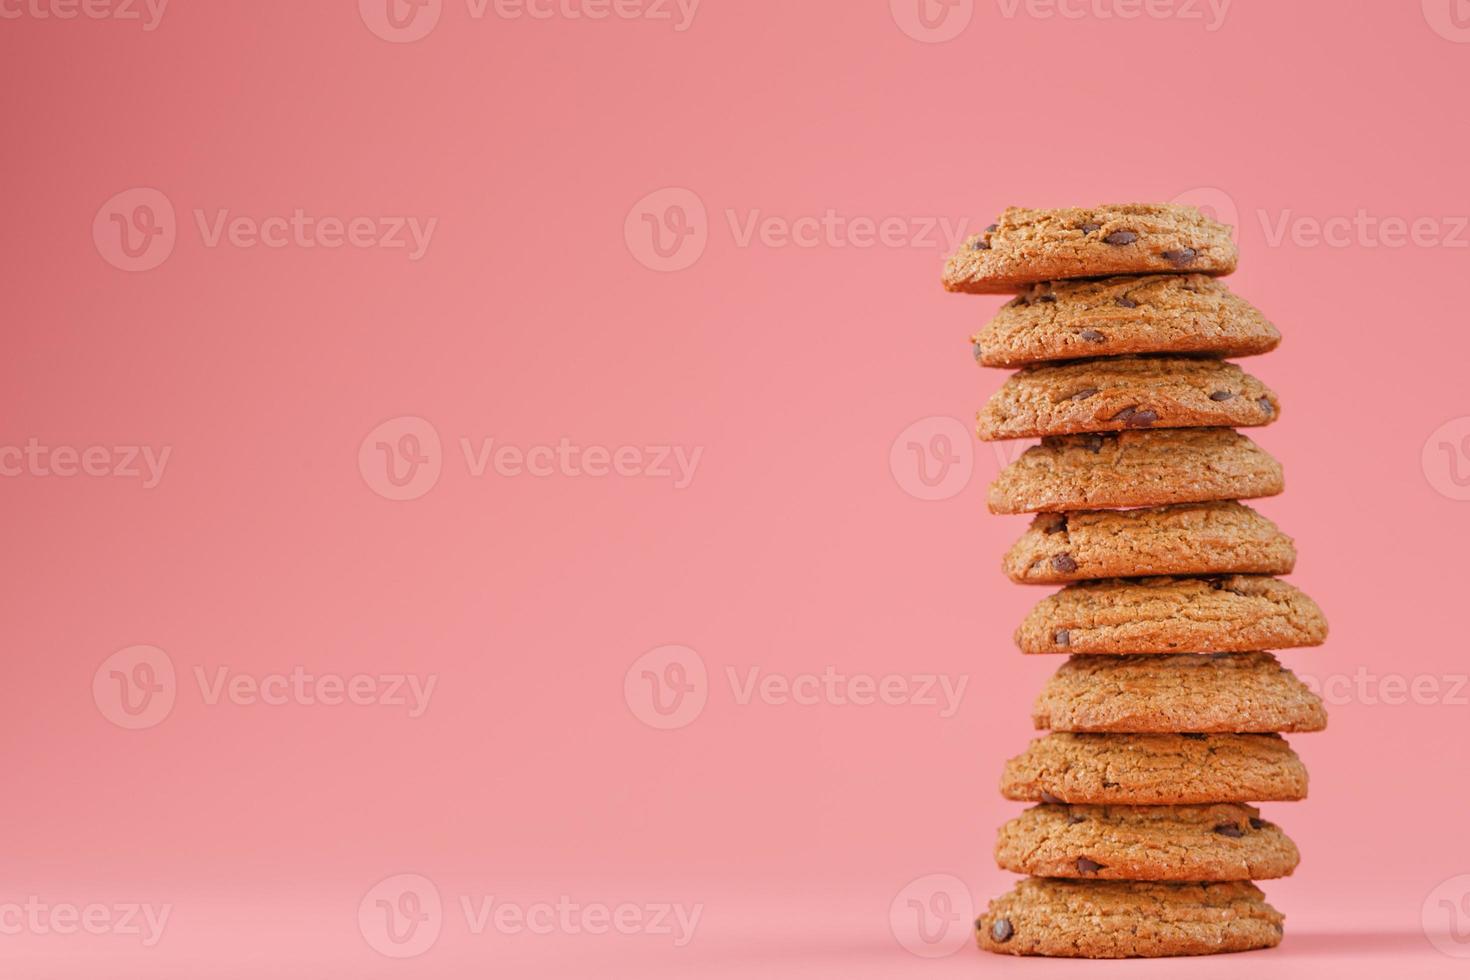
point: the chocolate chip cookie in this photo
(1147, 770)
(1205, 842)
(1115, 919)
(1230, 613)
(1144, 468)
(1208, 538)
(1184, 692)
(1118, 393)
(1053, 321)
(1025, 246)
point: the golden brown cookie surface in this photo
(1028, 245)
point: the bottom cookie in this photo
(1116, 919)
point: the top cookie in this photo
(1191, 314)
(1025, 246)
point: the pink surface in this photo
(709, 481)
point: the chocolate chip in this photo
(1180, 256)
(1265, 404)
(1001, 931)
(1063, 638)
(1127, 303)
(1221, 396)
(980, 245)
(1090, 227)
(1078, 396)
(1064, 563)
(1258, 824)
(1143, 419)
(1048, 798)
(1122, 238)
(1087, 866)
(1092, 335)
(1229, 830)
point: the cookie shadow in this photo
(1390, 944)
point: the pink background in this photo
(532, 317)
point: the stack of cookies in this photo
(1166, 717)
